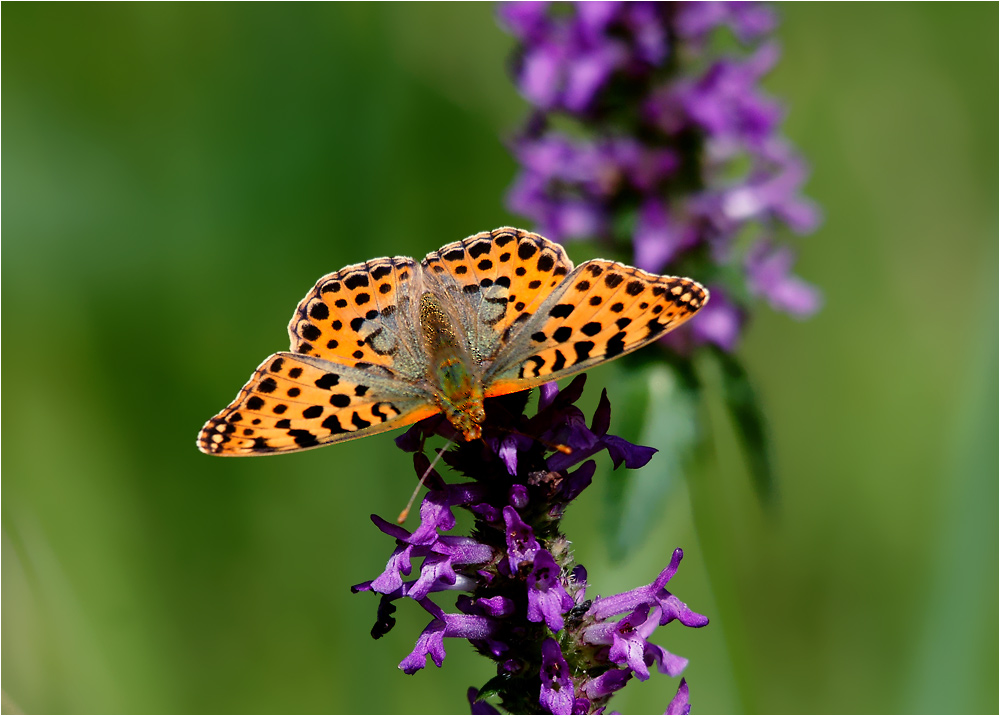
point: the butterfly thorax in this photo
(459, 393)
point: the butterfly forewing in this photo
(364, 315)
(296, 402)
(603, 310)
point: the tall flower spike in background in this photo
(664, 146)
(522, 600)
(650, 134)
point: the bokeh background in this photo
(178, 175)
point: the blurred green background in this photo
(179, 175)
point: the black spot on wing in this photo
(313, 411)
(260, 445)
(526, 249)
(502, 240)
(634, 288)
(357, 280)
(532, 370)
(583, 349)
(333, 425)
(479, 248)
(304, 438)
(339, 400)
(616, 345)
(327, 381)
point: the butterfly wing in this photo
(365, 316)
(357, 368)
(296, 402)
(602, 310)
(493, 283)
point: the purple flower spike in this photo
(675, 149)
(516, 580)
(557, 689)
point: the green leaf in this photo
(493, 687)
(660, 409)
(751, 426)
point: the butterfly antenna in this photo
(406, 510)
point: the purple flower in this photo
(679, 704)
(521, 543)
(521, 599)
(676, 149)
(557, 688)
(431, 640)
(769, 270)
(654, 594)
(547, 599)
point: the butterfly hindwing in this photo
(495, 281)
(364, 315)
(603, 310)
(295, 402)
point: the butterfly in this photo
(383, 344)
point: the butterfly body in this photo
(459, 391)
(383, 344)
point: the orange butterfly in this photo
(386, 343)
